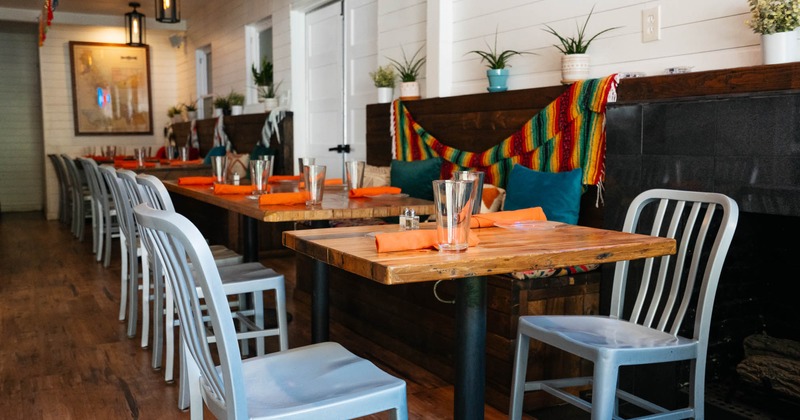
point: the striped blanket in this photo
(569, 133)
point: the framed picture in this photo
(110, 89)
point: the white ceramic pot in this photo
(237, 110)
(409, 90)
(385, 95)
(177, 119)
(217, 112)
(270, 104)
(192, 115)
(781, 47)
(574, 67)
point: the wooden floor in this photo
(64, 354)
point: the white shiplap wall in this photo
(56, 84)
(22, 162)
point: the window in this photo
(205, 105)
(259, 45)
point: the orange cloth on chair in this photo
(409, 240)
(232, 189)
(285, 198)
(372, 191)
(488, 219)
(196, 180)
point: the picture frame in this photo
(110, 89)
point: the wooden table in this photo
(335, 205)
(500, 251)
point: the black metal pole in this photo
(470, 348)
(319, 302)
(250, 239)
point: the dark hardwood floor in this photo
(65, 355)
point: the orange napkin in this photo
(408, 240)
(488, 219)
(128, 164)
(372, 191)
(232, 189)
(279, 178)
(196, 180)
(188, 162)
(285, 198)
(332, 181)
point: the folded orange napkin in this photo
(372, 191)
(129, 164)
(279, 178)
(232, 189)
(332, 181)
(196, 180)
(408, 240)
(285, 198)
(488, 219)
(188, 162)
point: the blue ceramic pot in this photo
(498, 80)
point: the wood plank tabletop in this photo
(499, 251)
(335, 204)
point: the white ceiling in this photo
(94, 7)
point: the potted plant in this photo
(191, 110)
(409, 71)
(384, 79)
(497, 73)
(262, 77)
(268, 95)
(175, 114)
(575, 61)
(222, 106)
(777, 22)
(236, 101)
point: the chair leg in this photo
(145, 298)
(107, 251)
(133, 287)
(123, 299)
(697, 386)
(604, 390)
(518, 380)
(101, 228)
(280, 308)
(258, 314)
(169, 331)
(158, 315)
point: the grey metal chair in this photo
(655, 328)
(105, 220)
(63, 187)
(81, 196)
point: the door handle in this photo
(341, 148)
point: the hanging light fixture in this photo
(134, 26)
(168, 11)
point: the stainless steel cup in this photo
(453, 201)
(354, 173)
(314, 177)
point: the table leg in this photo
(470, 348)
(319, 302)
(250, 239)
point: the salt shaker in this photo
(235, 178)
(409, 220)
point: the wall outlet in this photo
(651, 24)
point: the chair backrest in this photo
(93, 177)
(702, 225)
(173, 237)
(121, 202)
(75, 179)
(157, 194)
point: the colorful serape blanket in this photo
(568, 133)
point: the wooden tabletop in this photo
(335, 205)
(500, 251)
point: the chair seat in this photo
(317, 381)
(599, 334)
(224, 256)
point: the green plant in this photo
(235, 98)
(384, 76)
(262, 76)
(495, 60)
(579, 44)
(409, 68)
(222, 102)
(173, 111)
(772, 16)
(191, 106)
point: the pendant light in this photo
(134, 26)
(168, 11)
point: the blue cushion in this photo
(559, 194)
(215, 151)
(416, 177)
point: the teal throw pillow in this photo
(215, 151)
(559, 194)
(416, 177)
